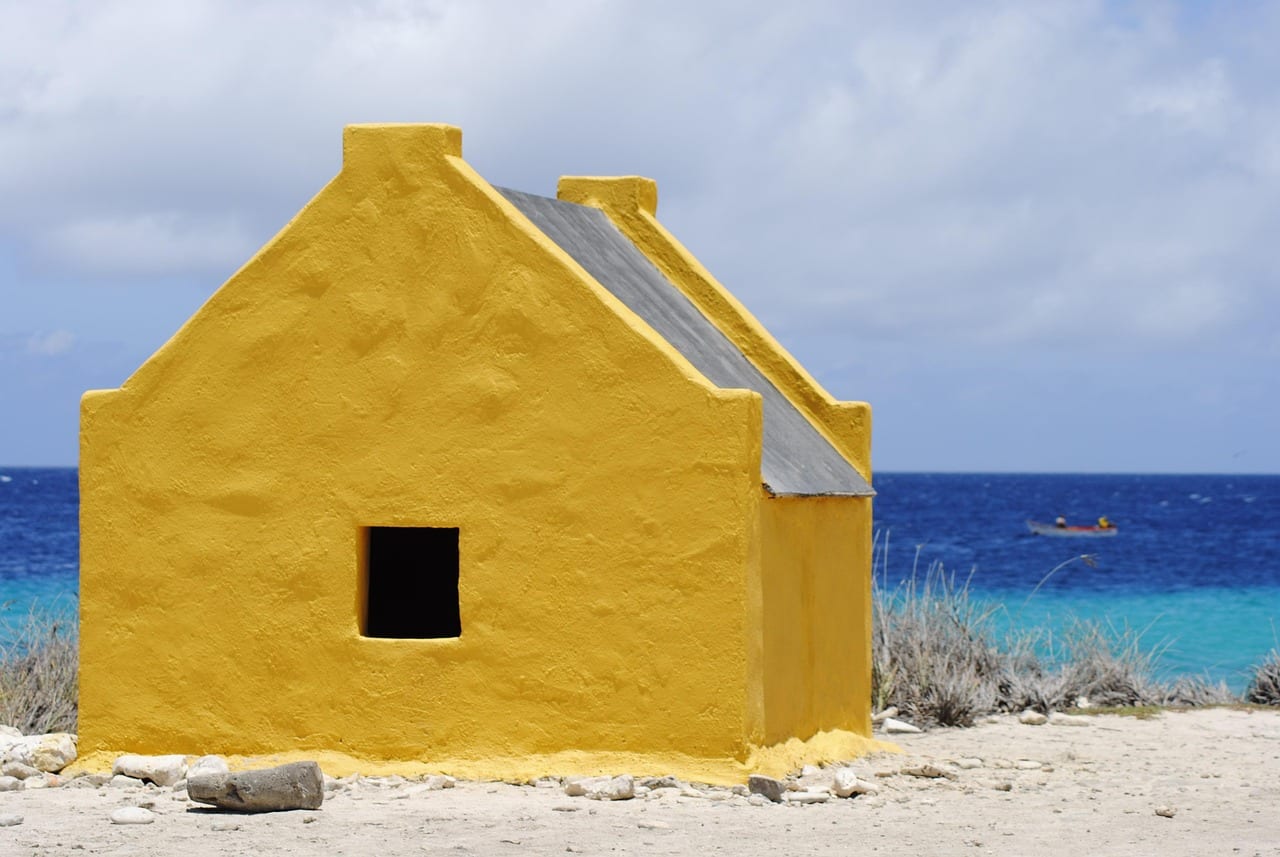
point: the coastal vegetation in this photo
(38, 670)
(942, 656)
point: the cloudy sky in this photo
(1036, 236)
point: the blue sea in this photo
(1195, 565)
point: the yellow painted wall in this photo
(410, 351)
(816, 588)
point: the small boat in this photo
(1039, 529)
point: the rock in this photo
(845, 783)
(758, 800)
(891, 711)
(208, 765)
(223, 824)
(930, 772)
(10, 784)
(1166, 811)
(120, 781)
(1028, 765)
(579, 786)
(666, 782)
(1057, 718)
(51, 752)
(161, 770)
(617, 788)
(435, 782)
(1082, 702)
(899, 727)
(969, 763)
(653, 825)
(759, 784)
(19, 770)
(1003, 786)
(7, 731)
(41, 781)
(298, 785)
(1031, 717)
(808, 796)
(132, 815)
(10, 819)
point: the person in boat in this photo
(1060, 522)
(1104, 523)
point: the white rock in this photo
(7, 731)
(1027, 765)
(618, 788)
(208, 765)
(39, 781)
(222, 825)
(899, 727)
(161, 770)
(51, 752)
(845, 783)
(579, 786)
(758, 800)
(1083, 702)
(120, 781)
(810, 771)
(1057, 718)
(813, 796)
(1166, 811)
(10, 819)
(132, 815)
(10, 784)
(891, 711)
(19, 770)
(968, 763)
(1031, 717)
(435, 782)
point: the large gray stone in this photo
(298, 785)
(769, 787)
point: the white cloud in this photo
(50, 344)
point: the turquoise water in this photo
(1195, 565)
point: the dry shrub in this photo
(38, 670)
(936, 658)
(1264, 687)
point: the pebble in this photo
(969, 763)
(899, 727)
(436, 782)
(208, 765)
(1031, 717)
(813, 796)
(132, 815)
(222, 825)
(616, 788)
(1027, 765)
(758, 800)
(10, 819)
(931, 772)
(845, 783)
(653, 825)
(120, 781)
(10, 784)
(1166, 811)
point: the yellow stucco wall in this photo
(410, 351)
(816, 616)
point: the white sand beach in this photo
(1008, 789)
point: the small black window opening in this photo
(412, 583)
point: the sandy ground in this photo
(1039, 790)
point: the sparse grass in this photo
(1264, 688)
(937, 658)
(38, 670)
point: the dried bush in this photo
(1264, 687)
(38, 672)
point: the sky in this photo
(1035, 236)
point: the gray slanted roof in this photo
(796, 459)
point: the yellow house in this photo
(454, 478)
